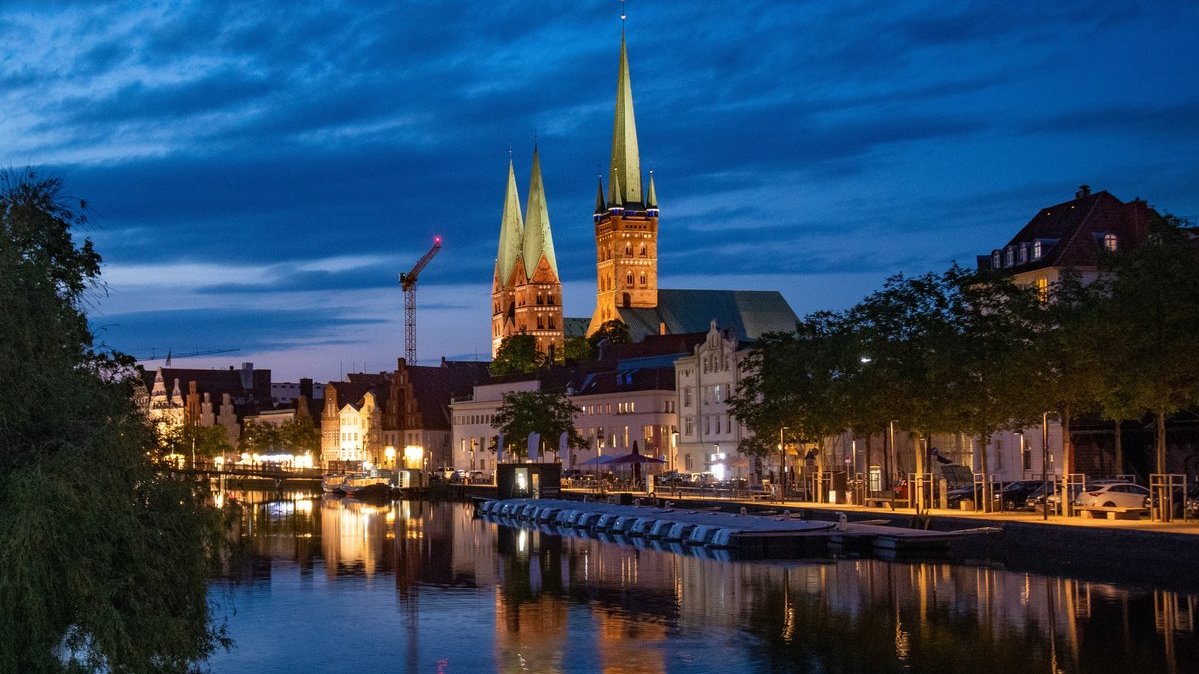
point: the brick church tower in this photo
(626, 218)
(526, 292)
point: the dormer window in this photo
(1023, 253)
(1009, 257)
(995, 262)
(1036, 250)
(1110, 242)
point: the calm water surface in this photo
(416, 587)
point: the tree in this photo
(106, 557)
(205, 441)
(260, 438)
(614, 331)
(1149, 318)
(795, 380)
(517, 354)
(523, 413)
(577, 350)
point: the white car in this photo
(1115, 495)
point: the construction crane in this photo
(169, 356)
(408, 283)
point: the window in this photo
(717, 394)
(1043, 288)
(688, 425)
(1023, 253)
(687, 461)
(1009, 257)
(540, 323)
(551, 322)
(687, 397)
(1109, 242)
(540, 299)
(995, 260)
(643, 250)
(1036, 250)
(628, 250)
(642, 278)
(628, 280)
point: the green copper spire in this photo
(614, 192)
(626, 160)
(651, 199)
(511, 230)
(537, 239)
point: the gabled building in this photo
(418, 407)
(709, 436)
(1072, 235)
(241, 392)
(352, 421)
(526, 290)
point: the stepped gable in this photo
(434, 385)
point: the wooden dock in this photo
(775, 535)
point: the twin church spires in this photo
(526, 293)
(527, 290)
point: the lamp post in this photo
(1045, 462)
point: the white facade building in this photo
(708, 434)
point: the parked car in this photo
(1014, 495)
(479, 477)
(1114, 495)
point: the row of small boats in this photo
(696, 526)
(368, 483)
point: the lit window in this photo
(1042, 288)
(1036, 250)
(1110, 242)
(1009, 257)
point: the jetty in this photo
(770, 534)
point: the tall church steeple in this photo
(526, 293)
(539, 298)
(626, 229)
(503, 316)
(626, 160)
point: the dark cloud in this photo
(187, 330)
(787, 138)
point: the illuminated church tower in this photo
(626, 218)
(527, 291)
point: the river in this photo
(411, 586)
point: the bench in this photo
(881, 499)
(1112, 512)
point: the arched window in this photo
(540, 323)
(642, 278)
(643, 249)
(628, 280)
(1110, 242)
(551, 322)
(540, 298)
(628, 250)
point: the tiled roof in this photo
(573, 326)
(1071, 233)
(751, 313)
(625, 380)
(433, 386)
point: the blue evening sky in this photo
(261, 171)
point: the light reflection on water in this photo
(413, 586)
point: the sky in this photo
(259, 173)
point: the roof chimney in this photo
(1083, 191)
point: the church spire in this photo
(626, 160)
(511, 230)
(651, 198)
(538, 240)
(599, 197)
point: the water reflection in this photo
(473, 596)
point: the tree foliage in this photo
(206, 441)
(106, 557)
(614, 332)
(549, 414)
(296, 436)
(517, 354)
